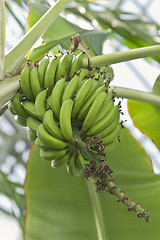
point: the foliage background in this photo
(13, 163)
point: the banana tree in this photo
(61, 206)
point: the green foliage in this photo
(61, 31)
(59, 206)
(146, 116)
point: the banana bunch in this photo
(69, 110)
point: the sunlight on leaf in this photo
(146, 117)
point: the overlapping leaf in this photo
(146, 117)
(61, 31)
(59, 206)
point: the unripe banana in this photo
(93, 111)
(40, 103)
(95, 85)
(31, 135)
(107, 105)
(83, 73)
(11, 108)
(34, 80)
(71, 88)
(25, 83)
(112, 135)
(71, 166)
(50, 141)
(41, 144)
(85, 108)
(64, 66)
(107, 73)
(29, 107)
(104, 122)
(48, 102)
(79, 158)
(60, 161)
(109, 128)
(81, 96)
(65, 119)
(18, 106)
(56, 96)
(49, 79)
(111, 146)
(33, 123)
(78, 166)
(51, 125)
(76, 64)
(20, 120)
(41, 70)
(53, 154)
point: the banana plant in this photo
(61, 206)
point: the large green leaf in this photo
(59, 207)
(146, 117)
(61, 31)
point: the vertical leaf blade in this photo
(2, 38)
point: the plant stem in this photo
(137, 95)
(2, 38)
(97, 210)
(13, 64)
(122, 56)
(8, 89)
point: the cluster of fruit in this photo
(69, 110)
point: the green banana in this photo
(107, 73)
(49, 79)
(25, 83)
(93, 111)
(11, 108)
(85, 108)
(111, 146)
(41, 70)
(40, 103)
(76, 64)
(95, 86)
(34, 80)
(64, 66)
(56, 96)
(53, 154)
(29, 107)
(33, 123)
(31, 135)
(48, 102)
(17, 105)
(71, 166)
(109, 128)
(50, 141)
(71, 88)
(81, 96)
(20, 120)
(51, 125)
(65, 119)
(41, 144)
(60, 161)
(104, 109)
(83, 74)
(112, 135)
(78, 165)
(104, 122)
(80, 161)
